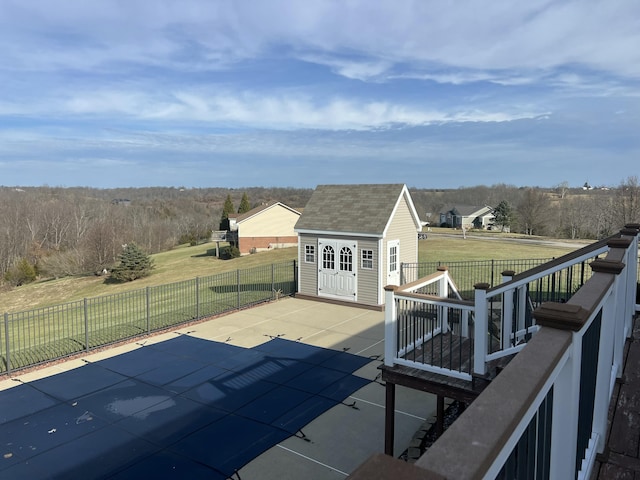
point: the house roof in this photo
(469, 210)
(260, 208)
(353, 209)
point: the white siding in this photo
(403, 228)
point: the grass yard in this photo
(181, 263)
(456, 248)
(186, 262)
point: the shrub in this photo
(229, 252)
(22, 272)
(62, 264)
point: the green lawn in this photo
(456, 248)
(181, 263)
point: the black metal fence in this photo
(467, 274)
(45, 334)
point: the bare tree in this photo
(562, 188)
(533, 212)
(599, 219)
(574, 213)
(628, 202)
(14, 236)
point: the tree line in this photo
(55, 232)
(560, 211)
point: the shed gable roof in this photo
(356, 209)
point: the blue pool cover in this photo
(183, 408)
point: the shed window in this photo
(328, 257)
(393, 259)
(367, 259)
(310, 253)
(346, 260)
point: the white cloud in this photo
(270, 111)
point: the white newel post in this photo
(507, 311)
(566, 387)
(480, 329)
(612, 335)
(564, 428)
(443, 291)
(630, 232)
(605, 377)
(390, 330)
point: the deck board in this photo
(622, 455)
(447, 350)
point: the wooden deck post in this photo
(389, 417)
(440, 416)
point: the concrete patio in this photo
(336, 442)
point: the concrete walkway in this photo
(338, 441)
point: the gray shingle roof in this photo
(467, 210)
(363, 209)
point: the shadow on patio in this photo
(283, 390)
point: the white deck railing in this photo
(422, 311)
(498, 323)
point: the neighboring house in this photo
(265, 227)
(468, 216)
(352, 240)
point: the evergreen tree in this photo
(245, 206)
(134, 263)
(503, 214)
(226, 210)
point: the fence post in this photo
(197, 298)
(493, 267)
(238, 285)
(86, 325)
(507, 311)
(148, 311)
(480, 329)
(273, 283)
(295, 277)
(390, 330)
(6, 341)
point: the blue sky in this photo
(212, 93)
